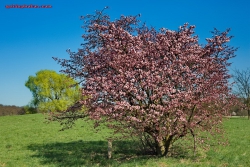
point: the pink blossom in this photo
(157, 82)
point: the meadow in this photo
(26, 140)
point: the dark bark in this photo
(248, 113)
(163, 146)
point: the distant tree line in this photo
(242, 80)
(11, 110)
(238, 111)
(16, 110)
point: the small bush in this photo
(30, 110)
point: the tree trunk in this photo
(109, 149)
(163, 146)
(248, 114)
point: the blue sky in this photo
(30, 37)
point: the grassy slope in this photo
(27, 141)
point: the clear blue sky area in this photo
(30, 37)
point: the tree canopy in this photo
(160, 84)
(52, 91)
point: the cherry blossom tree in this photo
(158, 84)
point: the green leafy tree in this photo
(30, 109)
(52, 91)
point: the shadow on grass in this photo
(88, 153)
(94, 153)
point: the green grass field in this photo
(26, 140)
